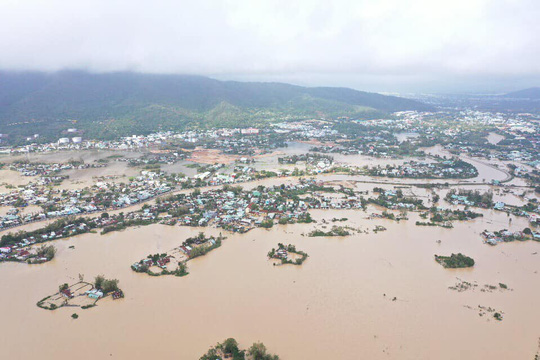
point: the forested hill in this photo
(113, 103)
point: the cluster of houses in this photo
(46, 169)
(493, 238)
(533, 215)
(306, 129)
(188, 245)
(109, 195)
(181, 254)
(145, 264)
(249, 144)
(16, 244)
(421, 169)
(456, 199)
(125, 143)
(241, 211)
(154, 158)
(22, 240)
(21, 252)
(96, 294)
(315, 163)
(371, 144)
(100, 197)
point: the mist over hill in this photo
(113, 104)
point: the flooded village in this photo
(379, 206)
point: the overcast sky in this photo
(378, 45)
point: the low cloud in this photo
(383, 44)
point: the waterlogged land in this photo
(336, 287)
(361, 291)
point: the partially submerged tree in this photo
(46, 251)
(258, 352)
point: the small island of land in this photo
(455, 261)
(229, 349)
(288, 254)
(162, 264)
(82, 294)
(334, 231)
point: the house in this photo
(282, 253)
(67, 293)
(534, 218)
(499, 205)
(94, 294)
(163, 261)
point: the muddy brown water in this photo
(332, 307)
(337, 305)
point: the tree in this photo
(230, 346)
(47, 252)
(258, 352)
(182, 269)
(98, 282)
(404, 212)
(267, 223)
(109, 285)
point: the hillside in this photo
(531, 93)
(107, 105)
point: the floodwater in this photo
(494, 138)
(404, 136)
(336, 306)
(486, 171)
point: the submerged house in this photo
(94, 294)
